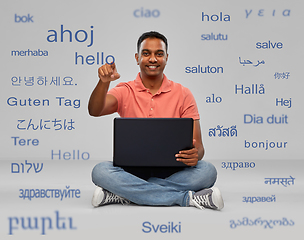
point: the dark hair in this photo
(151, 34)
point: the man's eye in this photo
(145, 54)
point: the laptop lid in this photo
(151, 142)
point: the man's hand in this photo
(188, 157)
(100, 102)
(108, 72)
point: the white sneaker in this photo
(103, 197)
(207, 198)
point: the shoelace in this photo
(202, 201)
(113, 198)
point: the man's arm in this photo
(192, 156)
(100, 102)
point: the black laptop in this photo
(151, 142)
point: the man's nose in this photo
(153, 58)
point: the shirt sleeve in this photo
(190, 109)
(118, 92)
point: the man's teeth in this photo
(153, 67)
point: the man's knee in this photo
(208, 173)
(99, 171)
(212, 169)
(212, 173)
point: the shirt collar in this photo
(165, 87)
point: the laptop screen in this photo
(151, 142)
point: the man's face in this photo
(152, 57)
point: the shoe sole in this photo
(217, 198)
(97, 197)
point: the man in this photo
(151, 94)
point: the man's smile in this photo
(152, 67)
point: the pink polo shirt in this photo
(171, 101)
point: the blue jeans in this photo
(173, 190)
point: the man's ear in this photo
(136, 57)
